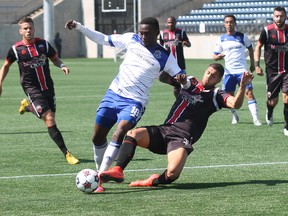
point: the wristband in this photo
(187, 85)
(62, 65)
(257, 64)
(78, 25)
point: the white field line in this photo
(75, 96)
(156, 169)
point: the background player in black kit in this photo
(174, 39)
(184, 125)
(274, 38)
(32, 56)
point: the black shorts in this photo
(169, 137)
(276, 82)
(42, 102)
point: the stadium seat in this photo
(248, 13)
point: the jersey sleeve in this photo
(11, 57)
(221, 98)
(185, 37)
(172, 67)
(263, 37)
(218, 47)
(247, 41)
(122, 40)
(51, 51)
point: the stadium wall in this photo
(202, 47)
(76, 45)
(73, 43)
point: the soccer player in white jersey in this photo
(231, 47)
(125, 100)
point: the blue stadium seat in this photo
(251, 14)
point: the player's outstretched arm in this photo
(95, 36)
(166, 78)
(237, 101)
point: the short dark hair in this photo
(151, 21)
(218, 67)
(280, 8)
(172, 17)
(232, 16)
(26, 20)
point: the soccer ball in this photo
(87, 180)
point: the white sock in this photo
(98, 154)
(252, 105)
(109, 156)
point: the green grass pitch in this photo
(234, 170)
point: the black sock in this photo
(162, 179)
(56, 136)
(270, 110)
(286, 115)
(126, 152)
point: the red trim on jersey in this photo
(173, 48)
(19, 43)
(198, 88)
(41, 77)
(225, 100)
(178, 112)
(39, 69)
(281, 55)
(7, 60)
(32, 50)
(271, 26)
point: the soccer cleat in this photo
(24, 104)
(99, 189)
(257, 122)
(269, 121)
(285, 132)
(235, 119)
(113, 174)
(144, 183)
(71, 159)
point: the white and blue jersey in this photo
(141, 66)
(128, 94)
(233, 47)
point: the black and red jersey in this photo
(169, 39)
(195, 105)
(33, 65)
(275, 43)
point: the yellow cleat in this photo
(24, 104)
(71, 159)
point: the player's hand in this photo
(220, 56)
(181, 79)
(184, 43)
(70, 24)
(247, 78)
(65, 70)
(259, 71)
(0, 90)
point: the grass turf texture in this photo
(234, 170)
